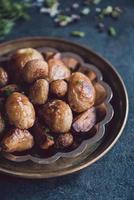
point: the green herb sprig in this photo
(10, 12)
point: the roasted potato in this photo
(58, 116)
(81, 93)
(57, 70)
(3, 77)
(2, 124)
(85, 121)
(20, 111)
(22, 56)
(17, 140)
(100, 93)
(9, 89)
(35, 69)
(64, 140)
(49, 55)
(91, 75)
(58, 87)
(70, 62)
(39, 92)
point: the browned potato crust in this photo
(57, 70)
(58, 87)
(100, 93)
(85, 121)
(39, 91)
(17, 140)
(35, 69)
(71, 63)
(91, 75)
(3, 77)
(22, 56)
(81, 93)
(2, 124)
(64, 140)
(58, 116)
(20, 111)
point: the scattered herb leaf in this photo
(51, 3)
(96, 1)
(10, 12)
(78, 33)
(112, 31)
(108, 10)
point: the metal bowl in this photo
(94, 150)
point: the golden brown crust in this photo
(58, 116)
(81, 93)
(22, 56)
(20, 111)
(58, 87)
(3, 77)
(71, 63)
(39, 91)
(2, 124)
(57, 70)
(17, 140)
(64, 140)
(35, 69)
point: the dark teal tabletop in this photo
(112, 177)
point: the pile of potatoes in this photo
(46, 100)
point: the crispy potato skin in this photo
(57, 70)
(100, 93)
(17, 140)
(39, 91)
(22, 56)
(71, 63)
(20, 111)
(3, 77)
(58, 116)
(85, 121)
(2, 124)
(35, 69)
(81, 93)
(58, 87)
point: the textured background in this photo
(112, 177)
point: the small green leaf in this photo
(96, 2)
(112, 31)
(78, 33)
(51, 3)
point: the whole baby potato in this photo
(57, 70)
(22, 56)
(58, 116)
(64, 140)
(35, 69)
(39, 91)
(3, 77)
(58, 87)
(17, 140)
(81, 93)
(20, 111)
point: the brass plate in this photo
(113, 131)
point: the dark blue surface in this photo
(112, 177)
